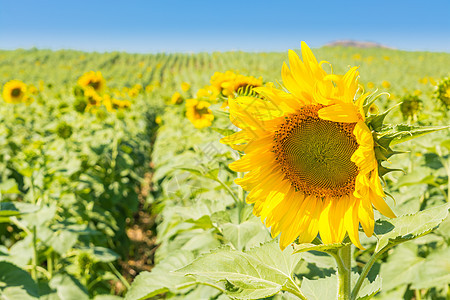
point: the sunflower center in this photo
(16, 92)
(199, 112)
(94, 84)
(314, 154)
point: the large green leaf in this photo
(60, 240)
(320, 289)
(408, 227)
(68, 288)
(15, 209)
(16, 283)
(9, 186)
(435, 270)
(402, 266)
(327, 289)
(161, 279)
(258, 273)
(369, 289)
(246, 234)
(20, 253)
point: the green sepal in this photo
(376, 121)
(401, 133)
(385, 153)
(383, 170)
(370, 100)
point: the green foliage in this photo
(257, 273)
(404, 228)
(70, 180)
(16, 283)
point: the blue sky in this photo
(193, 26)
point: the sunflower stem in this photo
(343, 260)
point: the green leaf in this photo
(60, 240)
(369, 289)
(16, 283)
(204, 222)
(193, 171)
(258, 273)
(402, 266)
(104, 254)
(326, 288)
(15, 209)
(41, 216)
(434, 271)
(398, 293)
(68, 288)
(320, 289)
(20, 253)
(408, 227)
(418, 176)
(246, 234)
(298, 248)
(107, 297)
(9, 186)
(161, 279)
(402, 133)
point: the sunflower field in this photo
(317, 174)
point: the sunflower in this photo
(240, 82)
(15, 91)
(113, 104)
(209, 93)
(198, 113)
(309, 156)
(443, 92)
(176, 98)
(93, 99)
(218, 79)
(120, 104)
(185, 86)
(410, 107)
(93, 80)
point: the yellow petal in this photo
(351, 221)
(381, 205)
(365, 215)
(342, 112)
(325, 223)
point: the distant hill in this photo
(357, 44)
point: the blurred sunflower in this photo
(176, 99)
(309, 155)
(185, 86)
(93, 99)
(209, 92)
(410, 107)
(120, 104)
(93, 80)
(218, 79)
(15, 91)
(198, 113)
(443, 92)
(386, 84)
(240, 82)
